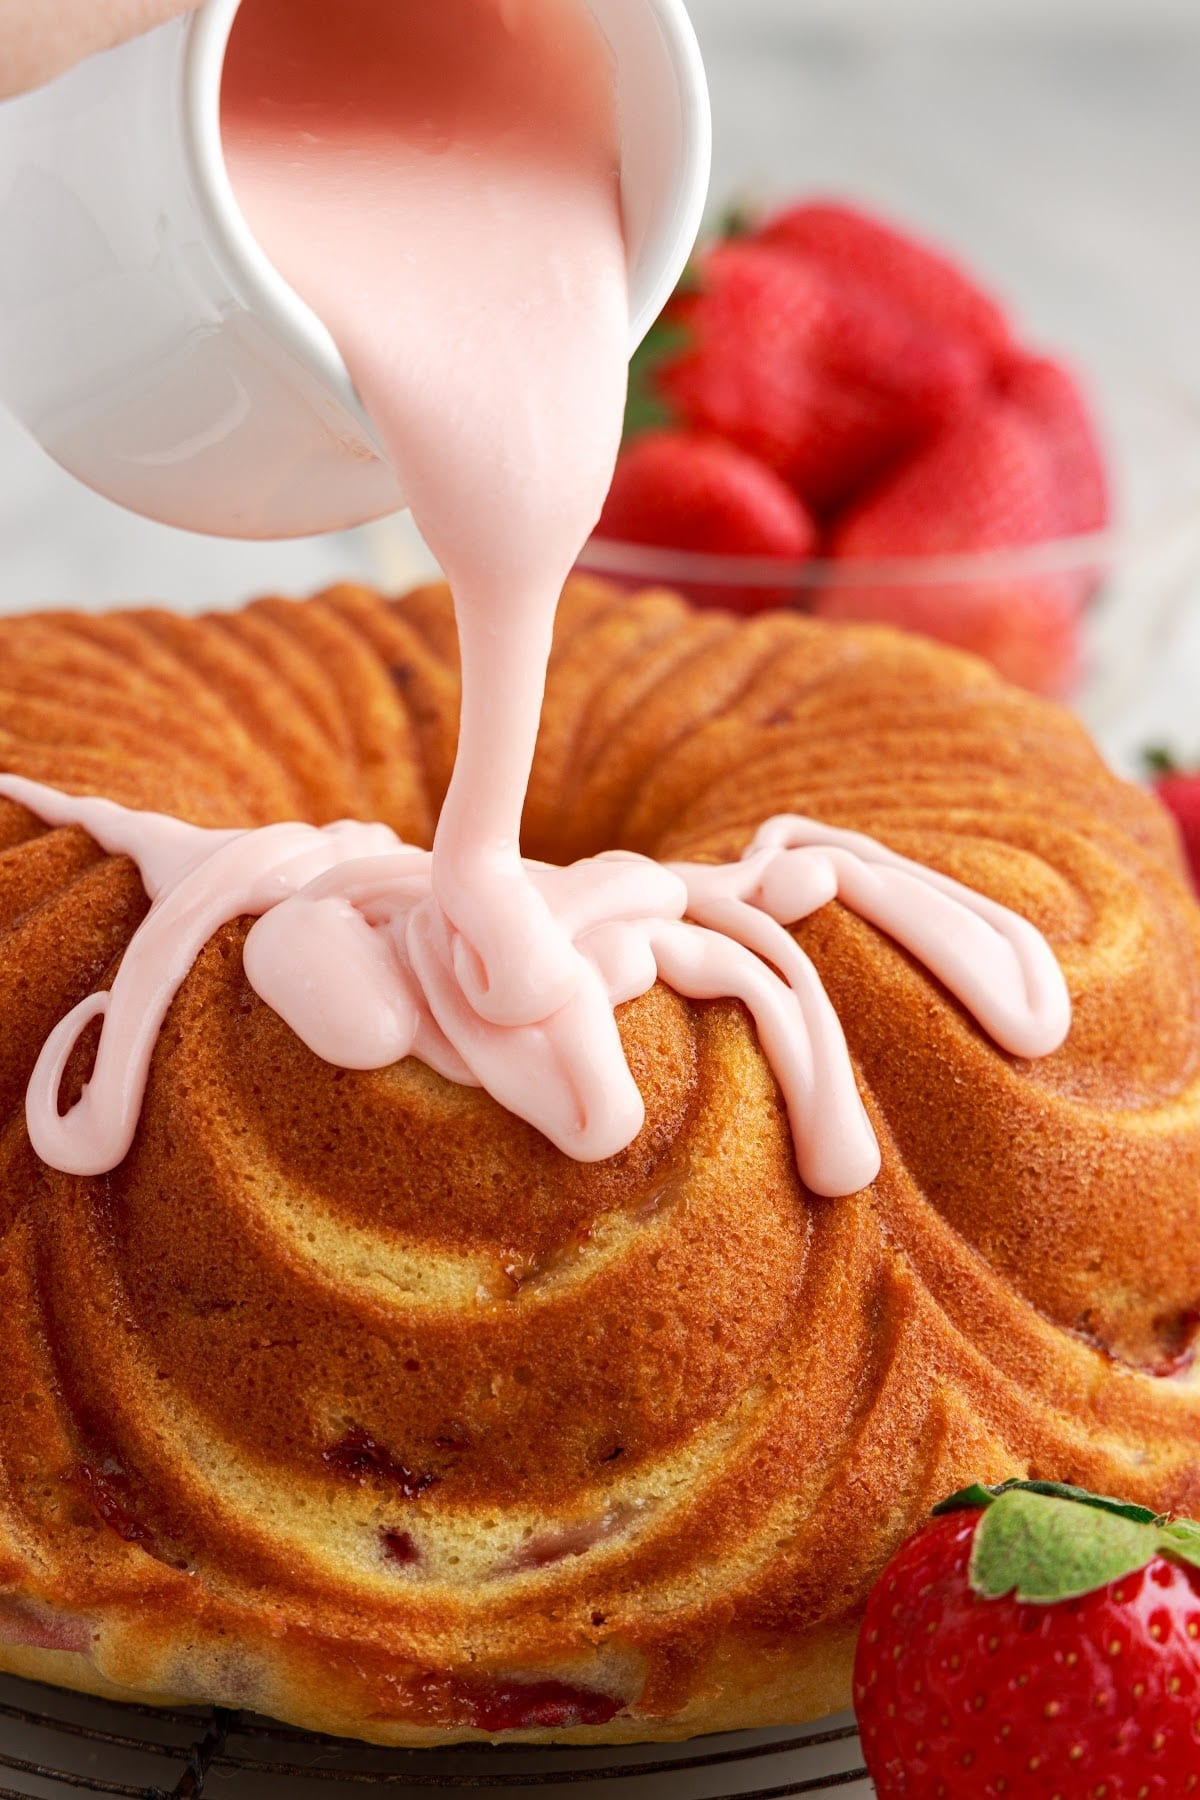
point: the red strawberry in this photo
(1049, 396)
(992, 482)
(690, 492)
(928, 286)
(819, 376)
(1179, 792)
(1035, 1643)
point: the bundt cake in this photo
(348, 1398)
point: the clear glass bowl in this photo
(1138, 577)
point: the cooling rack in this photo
(54, 1744)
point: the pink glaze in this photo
(352, 949)
(441, 184)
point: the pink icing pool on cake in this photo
(353, 950)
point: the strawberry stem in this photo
(645, 408)
(1044, 1541)
(737, 220)
(1158, 760)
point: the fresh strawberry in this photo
(1179, 791)
(817, 375)
(1035, 1643)
(690, 492)
(852, 246)
(1048, 395)
(990, 483)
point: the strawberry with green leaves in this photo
(1034, 1642)
(865, 372)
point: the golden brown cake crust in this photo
(349, 1399)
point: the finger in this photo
(41, 38)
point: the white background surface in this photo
(1055, 142)
(965, 17)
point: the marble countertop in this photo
(1063, 160)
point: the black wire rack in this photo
(54, 1744)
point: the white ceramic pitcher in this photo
(149, 344)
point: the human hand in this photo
(40, 38)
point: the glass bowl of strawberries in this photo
(834, 416)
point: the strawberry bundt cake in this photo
(346, 1396)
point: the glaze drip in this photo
(352, 949)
